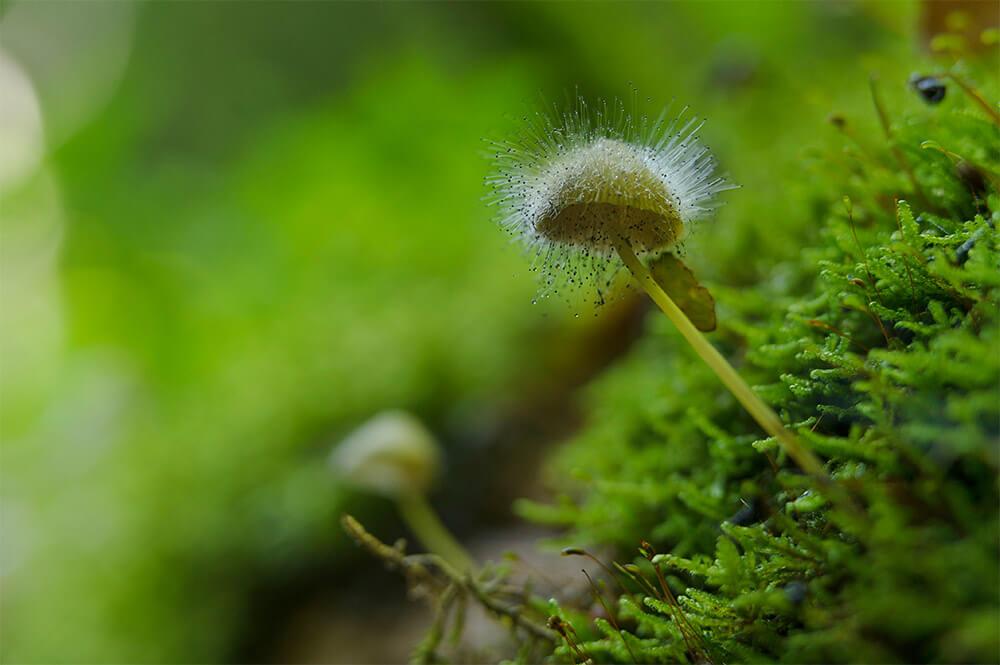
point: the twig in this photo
(425, 653)
(417, 567)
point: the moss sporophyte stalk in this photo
(595, 189)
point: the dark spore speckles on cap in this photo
(930, 88)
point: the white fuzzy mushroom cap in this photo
(392, 454)
(570, 186)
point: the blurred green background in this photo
(231, 232)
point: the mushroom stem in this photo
(755, 406)
(425, 524)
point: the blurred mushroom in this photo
(395, 456)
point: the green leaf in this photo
(683, 288)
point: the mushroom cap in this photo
(393, 454)
(574, 186)
(604, 189)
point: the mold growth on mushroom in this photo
(570, 185)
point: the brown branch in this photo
(419, 567)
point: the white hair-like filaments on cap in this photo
(569, 183)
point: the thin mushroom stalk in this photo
(418, 514)
(755, 406)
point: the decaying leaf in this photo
(683, 287)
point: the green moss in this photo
(880, 344)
